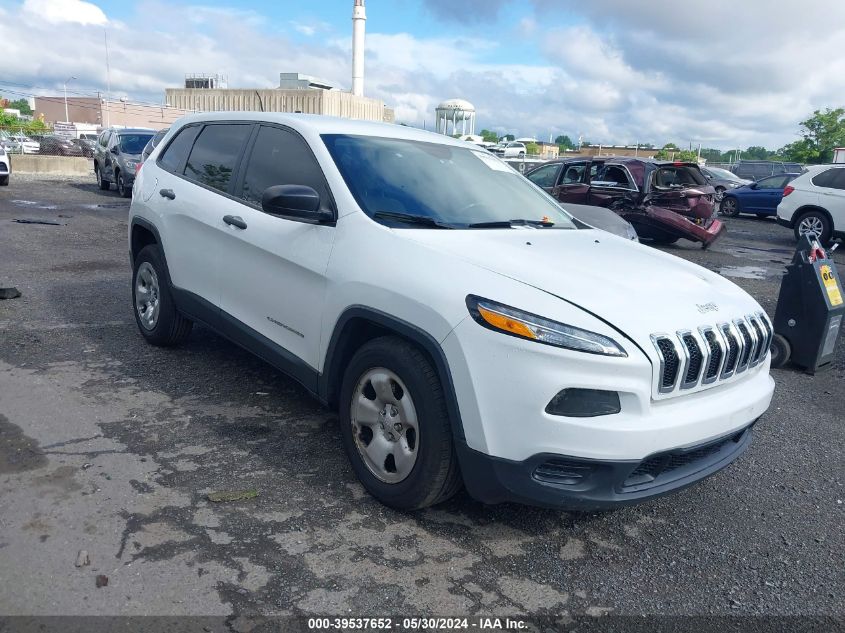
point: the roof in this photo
(622, 159)
(318, 124)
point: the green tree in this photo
(489, 136)
(532, 149)
(22, 105)
(508, 137)
(564, 142)
(821, 133)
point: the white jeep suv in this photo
(814, 203)
(466, 329)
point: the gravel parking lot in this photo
(111, 446)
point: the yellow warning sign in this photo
(830, 285)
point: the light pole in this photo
(67, 117)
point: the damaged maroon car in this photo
(664, 200)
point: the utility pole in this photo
(108, 80)
(67, 116)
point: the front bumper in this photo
(572, 483)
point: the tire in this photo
(160, 323)
(102, 183)
(4, 181)
(814, 222)
(720, 193)
(729, 207)
(432, 474)
(521, 155)
(121, 186)
(781, 350)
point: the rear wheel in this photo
(729, 207)
(102, 183)
(155, 311)
(395, 426)
(815, 224)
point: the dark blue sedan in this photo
(761, 197)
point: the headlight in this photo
(507, 320)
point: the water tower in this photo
(455, 111)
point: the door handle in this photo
(234, 220)
(167, 193)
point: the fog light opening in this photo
(584, 403)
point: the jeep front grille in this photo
(691, 358)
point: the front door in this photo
(273, 269)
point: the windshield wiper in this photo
(506, 224)
(410, 218)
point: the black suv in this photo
(117, 153)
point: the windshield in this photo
(451, 185)
(133, 143)
(722, 173)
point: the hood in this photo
(637, 289)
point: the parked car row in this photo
(663, 200)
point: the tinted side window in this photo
(824, 179)
(574, 174)
(281, 157)
(175, 154)
(544, 176)
(215, 154)
(772, 182)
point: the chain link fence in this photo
(45, 141)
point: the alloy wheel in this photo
(811, 225)
(147, 298)
(384, 425)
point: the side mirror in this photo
(753, 185)
(295, 201)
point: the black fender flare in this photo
(331, 376)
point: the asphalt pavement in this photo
(110, 446)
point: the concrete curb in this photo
(62, 165)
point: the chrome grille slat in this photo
(711, 353)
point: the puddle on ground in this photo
(746, 272)
(111, 205)
(33, 204)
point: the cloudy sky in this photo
(724, 73)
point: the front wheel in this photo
(122, 188)
(155, 311)
(102, 183)
(395, 426)
(4, 181)
(720, 193)
(729, 207)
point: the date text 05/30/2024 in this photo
(418, 623)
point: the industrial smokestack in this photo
(359, 18)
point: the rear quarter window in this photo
(176, 153)
(678, 176)
(830, 179)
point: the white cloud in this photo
(57, 11)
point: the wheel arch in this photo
(142, 233)
(811, 207)
(359, 324)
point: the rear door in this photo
(193, 194)
(831, 190)
(767, 195)
(573, 183)
(272, 272)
